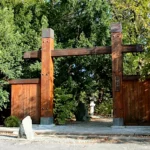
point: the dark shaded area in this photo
(4, 114)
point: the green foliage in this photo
(20, 28)
(134, 16)
(4, 99)
(104, 108)
(10, 53)
(12, 121)
(64, 106)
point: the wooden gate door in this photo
(136, 98)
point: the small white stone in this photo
(25, 129)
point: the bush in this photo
(12, 121)
(64, 106)
(104, 108)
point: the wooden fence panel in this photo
(25, 100)
(136, 99)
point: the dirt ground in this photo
(94, 121)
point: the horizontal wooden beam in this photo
(81, 51)
(32, 54)
(25, 81)
(132, 77)
(132, 48)
(84, 51)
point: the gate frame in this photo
(46, 83)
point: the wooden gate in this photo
(136, 99)
(34, 97)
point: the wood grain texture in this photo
(24, 81)
(117, 70)
(84, 51)
(136, 99)
(47, 78)
(25, 100)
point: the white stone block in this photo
(25, 130)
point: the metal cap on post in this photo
(48, 33)
(116, 27)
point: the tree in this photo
(82, 24)
(10, 53)
(134, 16)
(21, 25)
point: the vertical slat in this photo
(141, 103)
(25, 99)
(133, 102)
(16, 108)
(116, 37)
(34, 102)
(125, 100)
(47, 76)
(149, 100)
(129, 87)
(136, 96)
(146, 114)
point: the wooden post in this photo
(117, 72)
(47, 77)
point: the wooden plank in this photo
(132, 77)
(146, 103)
(140, 103)
(132, 48)
(34, 101)
(16, 100)
(84, 51)
(117, 69)
(25, 81)
(136, 98)
(125, 100)
(32, 54)
(47, 78)
(26, 96)
(149, 100)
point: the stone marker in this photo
(92, 105)
(25, 130)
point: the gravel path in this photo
(54, 143)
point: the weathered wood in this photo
(84, 51)
(132, 77)
(25, 100)
(47, 77)
(117, 69)
(25, 81)
(32, 54)
(136, 97)
(34, 102)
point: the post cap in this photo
(48, 33)
(116, 27)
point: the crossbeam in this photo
(84, 51)
(25, 81)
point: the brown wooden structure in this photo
(34, 97)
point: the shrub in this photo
(64, 106)
(104, 108)
(12, 121)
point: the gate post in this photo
(117, 72)
(47, 77)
